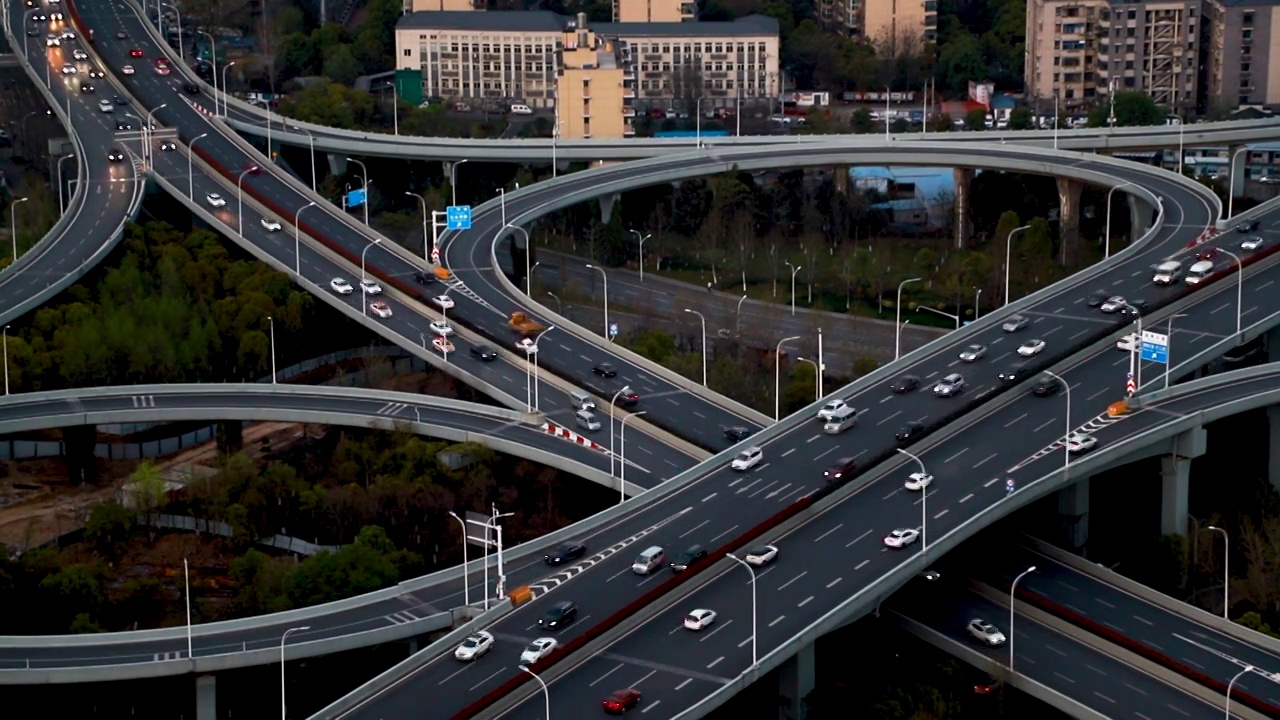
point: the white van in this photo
(581, 400)
(840, 420)
(587, 420)
(1200, 271)
(521, 109)
(649, 560)
(1167, 273)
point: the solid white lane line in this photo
(858, 567)
(709, 497)
(984, 460)
(785, 584)
(966, 498)
(953, 457)
(602, 677)
(805, 601)
(779, 619)
(833, 583)
(693, 529)
(851, 542)
(823, 535)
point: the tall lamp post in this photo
(1231, 182)
(737, 317)
(702, 318)
(977, 296)
(1232, 684)
(283, 639)
(622, 454)
(297, 240)
(528, 271)
(149, 128)
(5, 335)
(606, 298)
(61, 204)
(365, 182)
(213, 51)
(502, 578)
(924, 502)
(745, 564)
(1012, 589)
(191, 178)
(311, 139)
(271, 324)
(182, 54)
(226, 94)
(546, 694)
(240, 195)
(794, 269)
(537, 343)
(13, 222)
(1066, 448)
(777, 377)
(817, 371)
(364, 296)
(1226, 570)
(466, 583)
(641, 238)
(453, 179)
(1239, 287)
(426, 244)
(1008, 258)
(613, 403)
(1106, 245)
(897, 325)
(186, 584)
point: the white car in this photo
(1113, 304)
(474, 646)
(949, 385)
(79, 54)
(442, 344)
(53, 41)
(699, 619)
(527, 345)
(441, 328)
(215, 200)
(1015, 323)
(1128, 343)
(1252, 243)
(370, 286)
(1080, 442)
(68, 69)
(973, 353)
(270, 225)
(340, 286)
(106, 106)
(1031, 347)
(380, 309)
(762, 555)
(985, 632)
(918, 481)
(747, 459)
(537, 650)
(444, 301)
(901, 537)
(127, 69)
(830, 409)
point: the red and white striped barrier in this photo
(200, 108)
(567, 434)
(1204, 237)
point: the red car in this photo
(135, 53)
(621, 701)
(1208, 253)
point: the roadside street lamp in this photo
(947, 315)
(641, 238)
(1008, 258)
(297, 241)
(453, 179)
(61, 204)
(1231, 182)
(537, 343)
(817, 372)
(1106, 245)
(702, 318)
(149, 128)
(754, 658)
(924, 502)
(364, 296)
(1232, 684)
(737, 317)
(1226, 570)
(1066, 449)
(1239, 287)
(271, 323)
(311, 138)
(977, 296)
(777, 377)
(364, 180)
(426, 244)
(13, 222)
(559, 305)
(191, 178)
(546, 694)
(182, 54)
(1013, 588)
(606, 299)
(213, 50)
(186, 584)
(794, 269)
(240, 195)
(226, 94)
(897, 325)
(466, 583)
(5, 334)
(528, 250)
(284, 638)
(613, 403)
(622, 454)
(697, 111)
(500, 589)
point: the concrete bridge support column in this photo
(964, 212)
(1271, 344)
(606, 206)
(206, 697)
(1273, 460)
(337, 164)
(1069, 217)
(78, 447)
(1141, 216)
(1073, 513)
(230, 436)
(795, 682)
(1175, 477)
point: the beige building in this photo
(531, 57)
(894, 26)
(1079, 51)
(442, 5)
(640, 11)
(1242, 52)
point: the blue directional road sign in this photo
(457, 217)
(355, 198)
(1155, 347)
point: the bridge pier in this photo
(230, 436)
(78, 445)
(1141, 215)
(606, 206)
(1273, 459)
(206, 697)
(1175, 480)
(1069, 217)
(795, 682)
(964, 189)
(337, 164)
(1073, 514)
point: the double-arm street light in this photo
(1106, 244)
(1008, 257)
(606, 298)
(622, 454)
(1226, 570)
(1012, 589)
(703, 319)
(297, 241)
(365, 183)
(897, 325)
(777, 376)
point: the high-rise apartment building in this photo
(639, 11)
(1079, 51)
(895, 26)
(1242, 52)
(593, 90)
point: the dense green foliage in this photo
(35, 215)
(176, 307)
(330, 51)
(1131, 108)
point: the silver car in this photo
(1015, 323)
(985, 632)
(949, 385)
(1252, 243)
(973, 353)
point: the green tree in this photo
(611, 239)
(109, 526)
(1020, 119)
(147, 488)
(975, 119)
(863, 365)
(1131, 108)
(72, 590)
(1253, 621)
(861, 122)
(959, 62)
(656, 345)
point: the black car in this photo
(484, 352)
(604, 369)
(565, 553)
(122, 35)
(909, 433)
(560, 614)
(1097, 298)
(627, 399)
(688, 557)
(1046, 387)
(191, 88)
(737, 433)
(1247, 226)
(904, 384)
(119, 100)
(1134, 308)
(842, 468)
(33, 32)
(424, 278)
(1016, 373)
